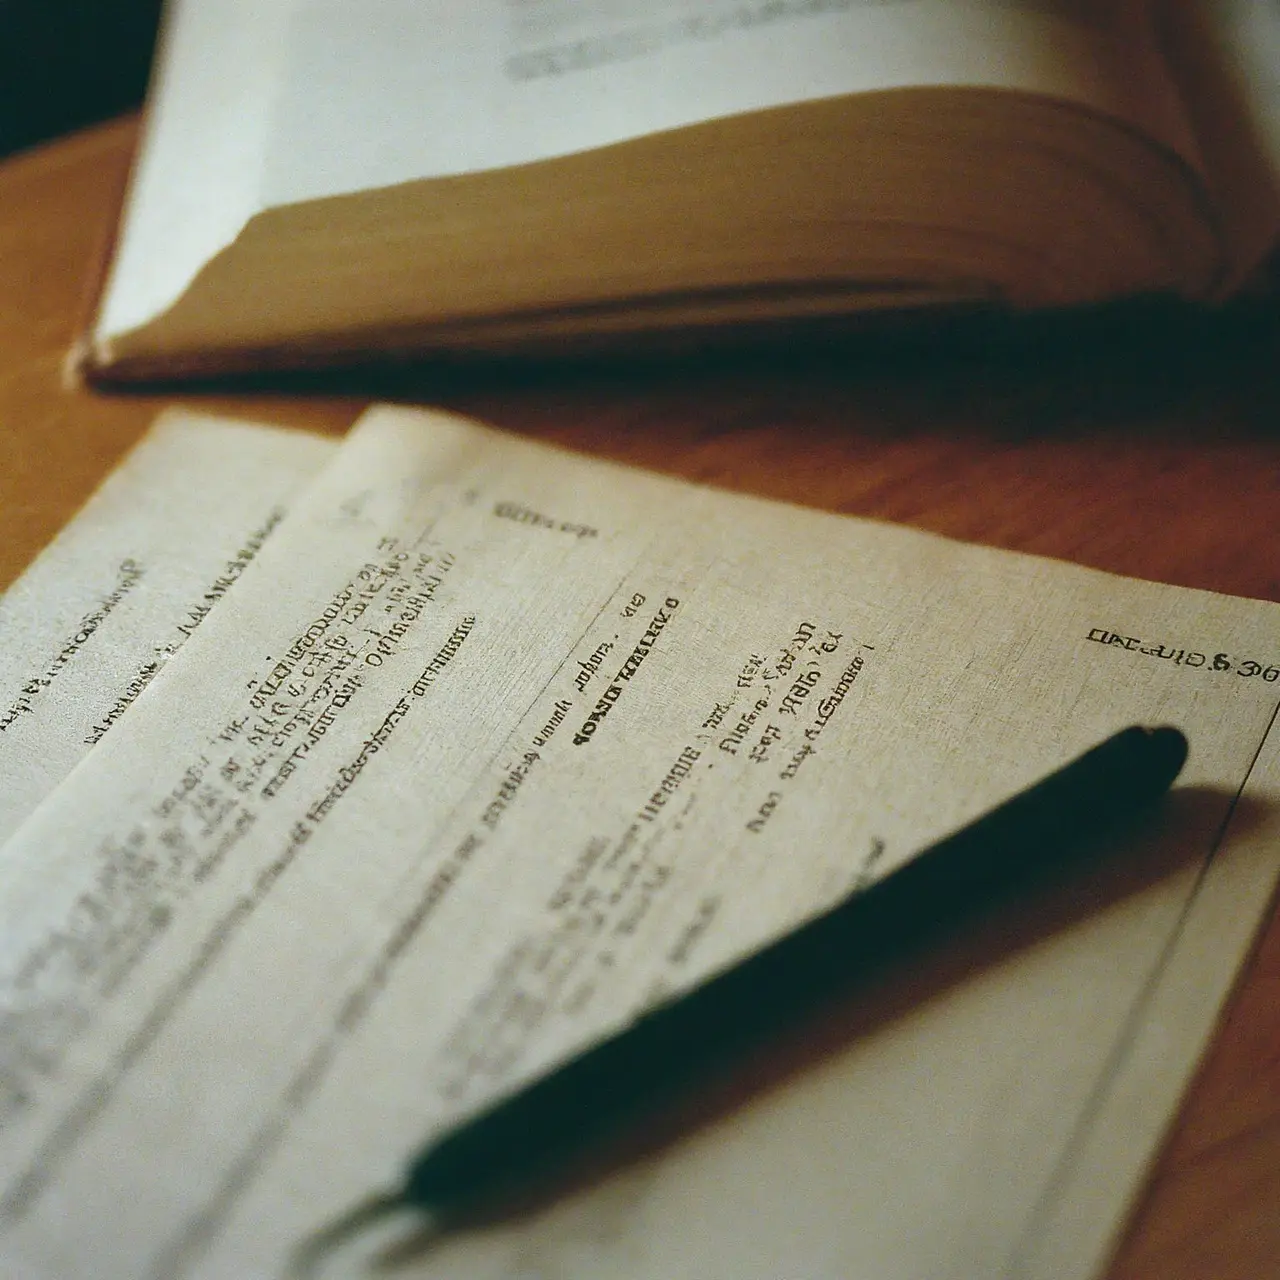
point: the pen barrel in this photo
(595, 1096)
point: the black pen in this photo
(594, 1097)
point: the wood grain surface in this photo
(1145, 442)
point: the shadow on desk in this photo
(1121, 364)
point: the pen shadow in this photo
(1158, 846)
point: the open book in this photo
(322, 182)
(487, 747)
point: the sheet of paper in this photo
(493, 745)
(118, 592)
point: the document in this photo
(124, 585)
(491, 747)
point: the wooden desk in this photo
(1168, 470)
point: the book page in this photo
(197, 177)
(491, 747)
(526, 80)
(122, 587)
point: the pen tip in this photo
(315, 1251)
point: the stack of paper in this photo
(340, 798)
